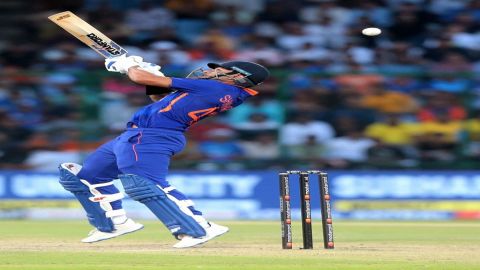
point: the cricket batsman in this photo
(141, 155)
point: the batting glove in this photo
(151, 68)
(122, 63)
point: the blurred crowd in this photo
(408, 98)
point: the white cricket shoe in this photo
(120, 229)
(213, 231)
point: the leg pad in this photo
(178, 218)
(95, 214)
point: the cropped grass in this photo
(249, 245)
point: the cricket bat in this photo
(87, 34)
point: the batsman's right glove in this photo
(151, 68)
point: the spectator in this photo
(307, 101)
(294, 37)
(438, 104)
(118, 109)
(452, 63)
(190, 156)
(211, 46)
(12, 154)
(401, 58)
(348, 151)
(46, 154)
(384, 156)
(437, 48)
(321, 65)
(309, 52)
(259, 50)
(286, 12)
(257, 122)
(463, 32)
(410, 16)
(355, 79)
(404, 84)
(384, 101)
(310, 149)
(190, 9)
(234, 21)
(14, 129)
(318, 9)
(376, 11)
(350, 107)
(439, 140)
(450, 83)
(471, 137)
(220, 146)
(392, 131)
(328, 33)
(119, 85)
(170, 51)
(264, 146)
(57, 88)
(218, 41)
(200, 132)
(147, 20)
(272, 109)
(301, 127)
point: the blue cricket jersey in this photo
(192, 100)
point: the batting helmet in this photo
(254, 74)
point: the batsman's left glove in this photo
(122, 63)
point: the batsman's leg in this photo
(93, 186)
(144, 159)
(174, 209)
(144, 181)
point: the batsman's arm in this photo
(143, 77)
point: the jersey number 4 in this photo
(195, 115)
(199, 114)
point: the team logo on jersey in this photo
(227, 102)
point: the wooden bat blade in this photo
(87, 34)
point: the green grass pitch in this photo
(249, 245)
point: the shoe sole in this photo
(220, 234)
(102, 239)
(201, 243)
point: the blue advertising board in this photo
(255, 194)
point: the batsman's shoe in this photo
(120, 229)
(213, 231)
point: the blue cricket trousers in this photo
(144, 152)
